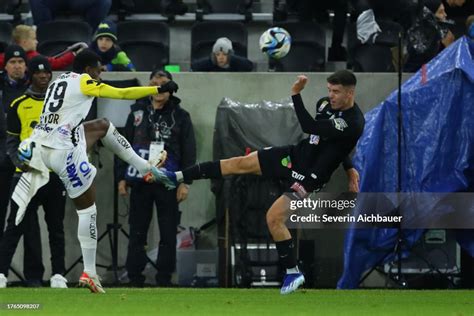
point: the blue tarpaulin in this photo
(437, 151)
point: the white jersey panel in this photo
(65, 107)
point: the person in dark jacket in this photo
(222, 59)
(13, 83)
(154, 123)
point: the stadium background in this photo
(198, 92)
(201, 94)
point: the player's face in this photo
(104, 43)
(94, 72)
(16, 68)
(161, 98)
(340, 96)
(222, 59)
(41, 79)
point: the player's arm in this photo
(98, 89)
(330, 128)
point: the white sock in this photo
(120, 146)
(292, 270)
(87, 235)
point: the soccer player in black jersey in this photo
(333, 133)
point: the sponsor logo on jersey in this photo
(85, 168)
(314, 139)
(138, 117)
(44, 127)
(299, 190)
(297, 175)
(314, 176)
(340, 124)
(322, 106)
(72, 172)
(286, 162)
(64, 130)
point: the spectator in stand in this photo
(25, 36)
(104, 43)
(93, 11)
(222, 59)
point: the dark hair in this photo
(161, 73)
(85, 58)
(343, 77)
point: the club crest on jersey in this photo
(340, 124)
(138, 117)
(314, 139)
(322, 106)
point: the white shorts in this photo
(71, 165)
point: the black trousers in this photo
(6, 174)
(52, 197)
(32, 260)
(142, 198)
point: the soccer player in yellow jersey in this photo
(63, 141)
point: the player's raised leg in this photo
(276, 218)
(210, 170)
(104, 130)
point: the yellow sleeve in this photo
(95, 88)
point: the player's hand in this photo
(299, 84)
(182, 192)
(122, 188)
(169, 86)
(353, 178)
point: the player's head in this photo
(341, 89)
(159, 77)
(88, 62)
(39, 71)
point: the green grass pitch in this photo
(227, 302)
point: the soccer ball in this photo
(275, 42)
(25, 151)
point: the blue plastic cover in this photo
(437, 151)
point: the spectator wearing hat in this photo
(25, 36)
(13, 83)
(104, 43)
(23, 115)
(222, 59)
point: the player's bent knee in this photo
(273, 220)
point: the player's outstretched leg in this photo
(276, 218)
(104, 130)
(210, 170)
